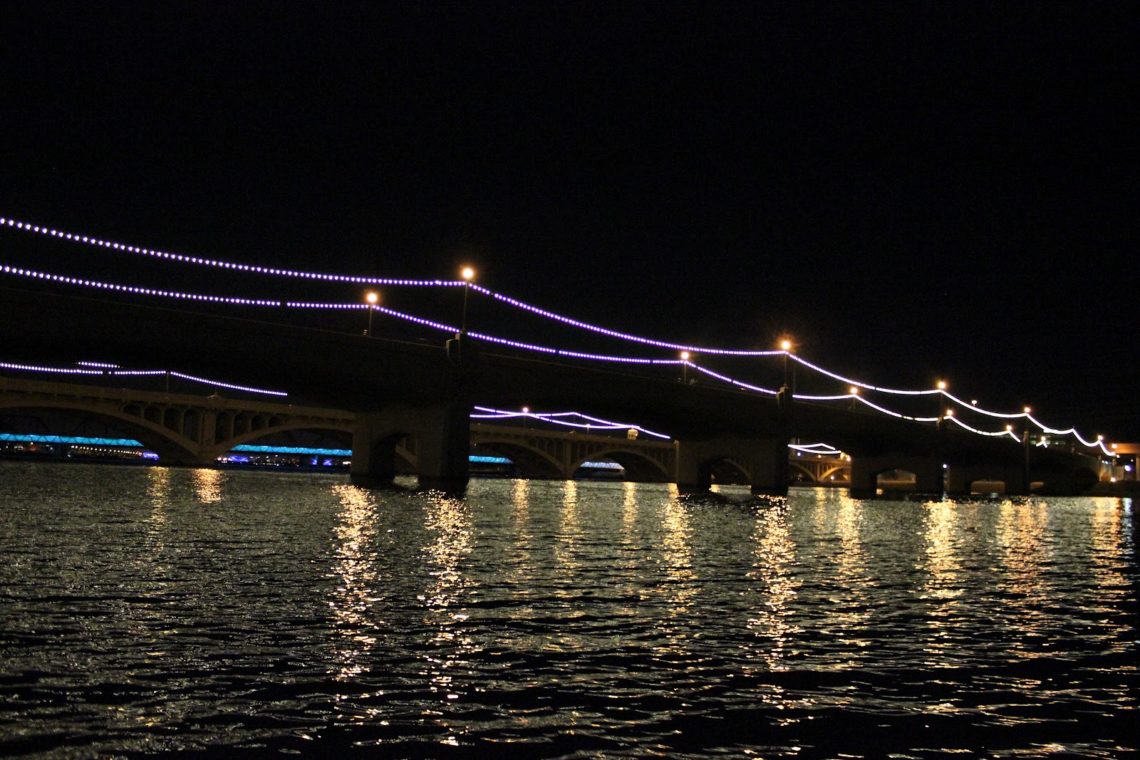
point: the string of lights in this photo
(992, 434)
(106, 371)
(815, 448)
(579, 324)
(730, 380)
(513, 302)
(557, 418)
(133, 289)
(219, 263)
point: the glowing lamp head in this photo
(526, 410)
(467, 273)
(685, 356)
(949, 413)
(785, 345)
(1099, 438)
(941, 385)
(1027, 410)
(372, 297)
(1009, 428)
(853, 390)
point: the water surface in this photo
(148, 610)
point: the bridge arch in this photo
(171, 446)
(637, 465)
(277, 426)
(725, 471)
(841, 472)
(530, 461)
(795, 468)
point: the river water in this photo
(206, 612)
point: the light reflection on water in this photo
(152, 609)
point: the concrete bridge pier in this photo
(763, 461)
(441, 433)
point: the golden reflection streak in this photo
(357, 577)
(569, 531)
(208, 485)
(158, 492)
(631, 551)
(520, 568)
(944, 585)
(838, 515)
(450, 540)
(775, 557)
(152, 573)
(677, 555)
(628, 508)
(1109, 540)
(1025, 550)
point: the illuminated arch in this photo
(844, 470)
(793, 465)
(289, 426)
(637, 465)
(530, 461)
(172, 447)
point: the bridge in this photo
(194, 430)
(398, 390)
(402, 386)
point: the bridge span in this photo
(194, 430)
(398, 390)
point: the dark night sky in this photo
(913, 190)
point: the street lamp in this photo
(468, 274)
(939, 386)
(685, 367)
(786, 347)
(371, 298)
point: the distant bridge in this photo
(400, 389)
(192, 430)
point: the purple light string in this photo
(513, 302)
(112, 370)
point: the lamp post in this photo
(940, 386)
(786, 347)
(371, 298)
(468, 274)
(1026, 472)
(685, 367)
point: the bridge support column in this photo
(865, 471)
(443, 442)
(764, 461)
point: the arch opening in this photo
(67, 421)
(725, 472)
(630, 465)
(896, 480)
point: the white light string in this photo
(996, 434)
(218, 263)
(522, 305)
(730, 380)
(132, 289)
(135, 290)
(42, 369)
(594, 423)
(814, 448)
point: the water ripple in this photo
(191, 612)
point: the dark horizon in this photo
(912, 191)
